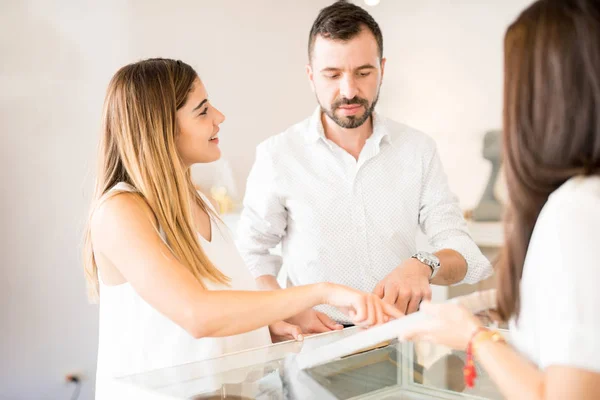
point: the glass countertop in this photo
(396, 370)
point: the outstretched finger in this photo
(379, 290)
(391, 311)
(360, 311)
(380, 314)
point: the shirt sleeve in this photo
(264, 217)
(569, 314)
(441, 220)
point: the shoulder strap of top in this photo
(207, 201)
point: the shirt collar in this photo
(316, 131)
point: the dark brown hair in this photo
(551, 119)
(343, 21)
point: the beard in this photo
(350, 121)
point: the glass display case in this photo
(395, 370)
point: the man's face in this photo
(346, 77)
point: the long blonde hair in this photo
(137, 146)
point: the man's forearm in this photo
(453, 268)
(267, 282)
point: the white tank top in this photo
(134, 337)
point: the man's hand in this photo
(406, 286)
(311, 321)
(281, 331)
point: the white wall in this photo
(443, 76)
(56, 60)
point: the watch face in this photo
(429, 259)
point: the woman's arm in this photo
(516, 377)
(124, 234)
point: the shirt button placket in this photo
(361, 245)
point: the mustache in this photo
(346, 102)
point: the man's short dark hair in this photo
(343, 21)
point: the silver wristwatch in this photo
(431, 260)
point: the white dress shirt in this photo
(344, 220)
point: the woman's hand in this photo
(450, 325)
(364, 309)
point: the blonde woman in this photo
(549, 275)
(172, 287)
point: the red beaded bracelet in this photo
(469, 370)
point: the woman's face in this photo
(198, 122)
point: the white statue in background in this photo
(489, 208)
